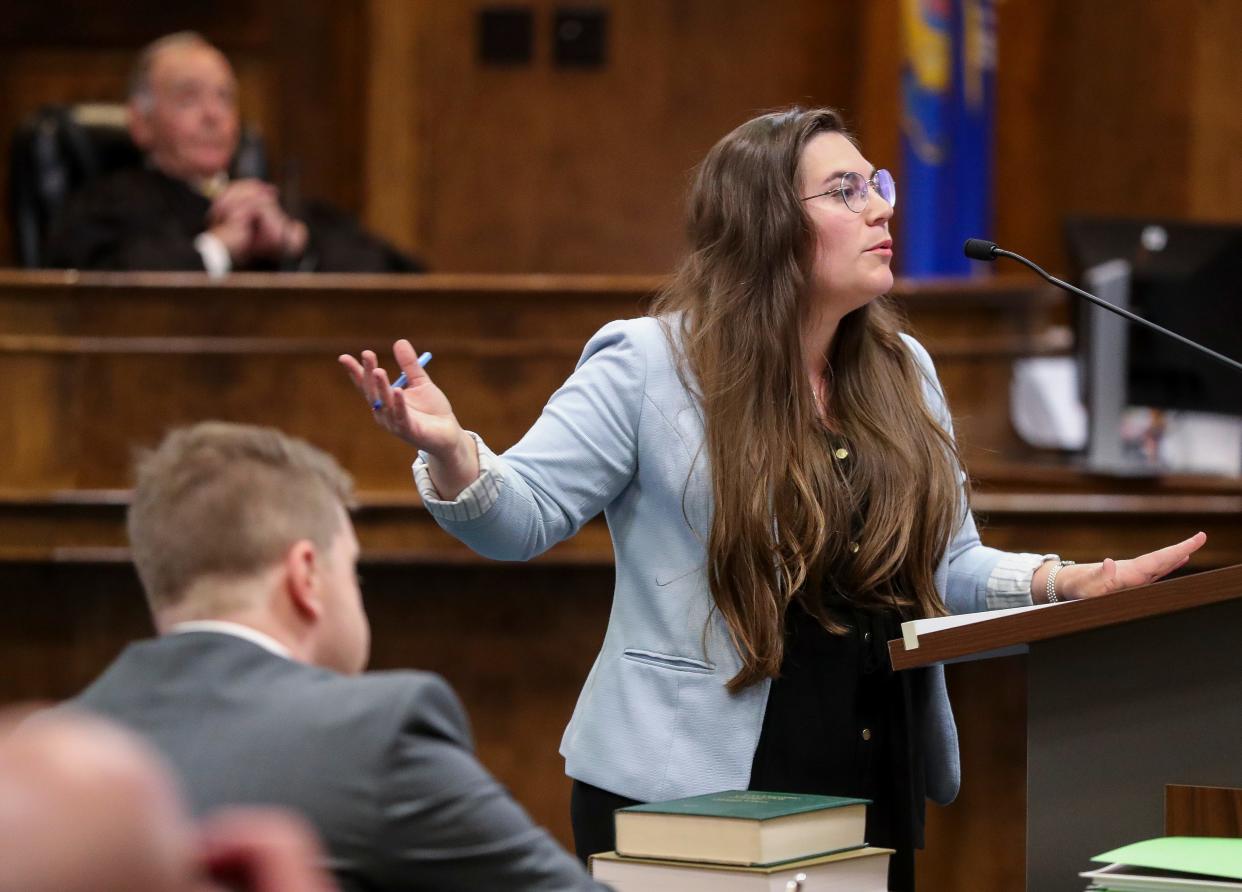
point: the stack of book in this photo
(1171, 864)
(744, 841)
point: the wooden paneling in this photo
(263, 350)
(317, 56)
(875, 109)
(155, 350)
(396, 35)
(1114, 107)
(979, 841)
(539, 169)
(1111, 107)
(1214, 180)
(78, 23)
(1202, 811)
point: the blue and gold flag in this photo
(946, 122)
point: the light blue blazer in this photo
(624, 436)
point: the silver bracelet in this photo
(1052, 580)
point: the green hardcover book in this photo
(748, 827)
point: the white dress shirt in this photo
(237, 630)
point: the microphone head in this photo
(980, 249)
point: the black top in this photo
(840, 722)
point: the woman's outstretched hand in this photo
(1092, 580)
(420, 414)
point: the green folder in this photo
(1206, 855)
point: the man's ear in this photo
(303, 579)
(140, 122)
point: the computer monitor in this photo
(1186, 277)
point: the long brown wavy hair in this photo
(786, 512)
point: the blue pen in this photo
(402, 380)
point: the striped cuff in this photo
(472, 502)
(1010, 582)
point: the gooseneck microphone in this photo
(982, 249)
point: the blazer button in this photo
(866, 733)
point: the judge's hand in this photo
(1092, 580)
(276, 235)
(248, 218)
(420, 414)
(237, 235)
(233, 214)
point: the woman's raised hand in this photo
(419, 413)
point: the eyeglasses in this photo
(854, 190)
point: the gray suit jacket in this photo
(381, 763)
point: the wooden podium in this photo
(1125, 694)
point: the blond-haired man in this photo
(247, 556)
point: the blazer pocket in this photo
(667, 661)
(668, 577)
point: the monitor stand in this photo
(1105, 368)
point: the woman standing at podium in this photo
(776, 464)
